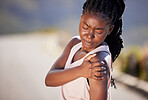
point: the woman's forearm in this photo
(60, 77)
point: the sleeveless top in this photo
(78, 89)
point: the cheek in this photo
(104, 36)
(82, 31)
(101, 38)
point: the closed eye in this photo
(86, 28)
(99, 32)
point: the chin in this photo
(88, 48)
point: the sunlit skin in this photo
(93, 30)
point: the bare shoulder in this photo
(105, 57)
(101, 55)
(73, 42)
(76, 40)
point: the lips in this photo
(87, 43)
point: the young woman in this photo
(84, 68)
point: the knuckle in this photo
(98, 73)
(93, 64)
(89, 76)
(90, 65)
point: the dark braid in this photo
(112, 11)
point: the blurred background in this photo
(33, 34)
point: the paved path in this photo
(24, 63)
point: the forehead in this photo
(93, 19)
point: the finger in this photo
(94, 77)
(98, 74)
(90, 56)
(98, 63)
(97, 78)
(97, 69)
(101, 78)
(90, 73)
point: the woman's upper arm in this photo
(98, 88)
(61, 61)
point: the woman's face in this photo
(93, 30)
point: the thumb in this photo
(90, 56)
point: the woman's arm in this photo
(57, 75)
(99, 88)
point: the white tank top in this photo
(78, 89)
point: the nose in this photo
(91, 34)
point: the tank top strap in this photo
(104, 48)
(74, 49)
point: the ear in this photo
(111, 29)
(81, 16)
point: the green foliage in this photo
(133, 61)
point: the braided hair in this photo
(112, 11)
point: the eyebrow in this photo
(95, 28)
(86, 24)
(99, 28)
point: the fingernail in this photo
(103, 67)
(94, 54)
(104, 72)
(102, 62)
